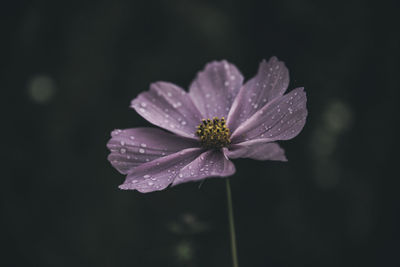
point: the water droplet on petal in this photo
(116, 132)
(123, 150)
(143, 145)
(141, 150)
(146, 176)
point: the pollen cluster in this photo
(213, 133)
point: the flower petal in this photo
(132, 147)
(271, 81)
(158, 174)
(211, 163)
(256, 149)
(215, 88)
(170, 107)
(281, 119)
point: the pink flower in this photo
(219, 119)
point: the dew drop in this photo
(146, 176)
(143, 104)
(116, 132)
(123, 150)
(143, 145)
(141, 150)
(132, 137)
(180, 175)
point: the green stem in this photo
(231, 224)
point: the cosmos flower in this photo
(219, 119)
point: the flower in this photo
(219, 119)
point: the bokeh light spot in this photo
(41, 88)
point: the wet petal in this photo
(211, 163)
(215, 88)
(170, 107)
(132, 147)
(256, 149)
(158, 174)
(271, 81)
(281, 119)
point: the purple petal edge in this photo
(256, 149)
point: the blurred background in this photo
(69, 70)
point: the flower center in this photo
(213, 133)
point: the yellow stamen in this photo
(213, 133)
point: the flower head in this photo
(219, 119)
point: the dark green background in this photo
(69, 70)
